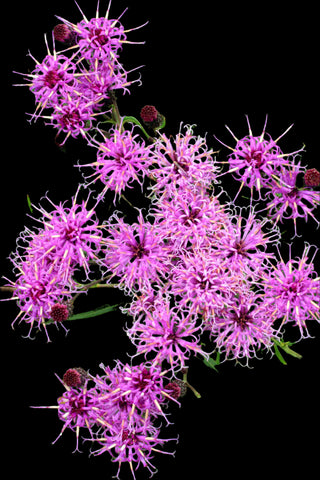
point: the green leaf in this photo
(285, 346)
(136, 122)
(278, 355)
(29, 204)
(212, 363)
(94, 313)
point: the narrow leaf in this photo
(136, 122)
(94, 313)
(278, 355)
(29, 204)
(212, 363)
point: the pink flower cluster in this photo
(259, 163)
(201, 274)
(121, 411)
(74, 84)
(47, 258)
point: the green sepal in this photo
(162, 124)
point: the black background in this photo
(207, 65)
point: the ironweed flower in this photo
(135, 253)
(134, 444)
(246, 241)
(99, 38)
(70, 236)
(203, 281)
(132, 397)
(190, 219)
(244, 327)
(51, 79)
(73, 116)
(293, 289)
(78, 408)
(121, 159)
(168, 334)
(96, 82)
(256, 159)
(38, 288)
(287, 201)
(133, 390)
(184, 161)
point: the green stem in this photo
(115, 109)
(6, 289)
(185, 380)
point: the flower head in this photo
(203, 281)
(245, 243)
(168, 334)
(70, 237)
(38, 288)
(99, 38)
(190, 219)
(256, 159)
(134, 444)
(185, 161)
(135, 253)
(51, 80)
(293, 288)
(121, 160)
(287, 201)
(245, 327)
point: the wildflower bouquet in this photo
(200, 273)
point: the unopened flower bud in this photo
(151, 117)
(176, 389)
(64, 34)
(75, 377)
(59, 312)
(312, 178)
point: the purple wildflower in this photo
(245, 242)
(184, 162)
(96, 83)
(140, 388)
(245, 327)
(190, 219)
(71, 236)
(121, 159)
(132, 397)
(134, 444)
(204, 281)
(135, 253)
(290, 202)
(73, 116)
(99, 38)
(168, 334)
(37, 289)
(256, 159)
(78, 408)
(293, 289)
(51, 79)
